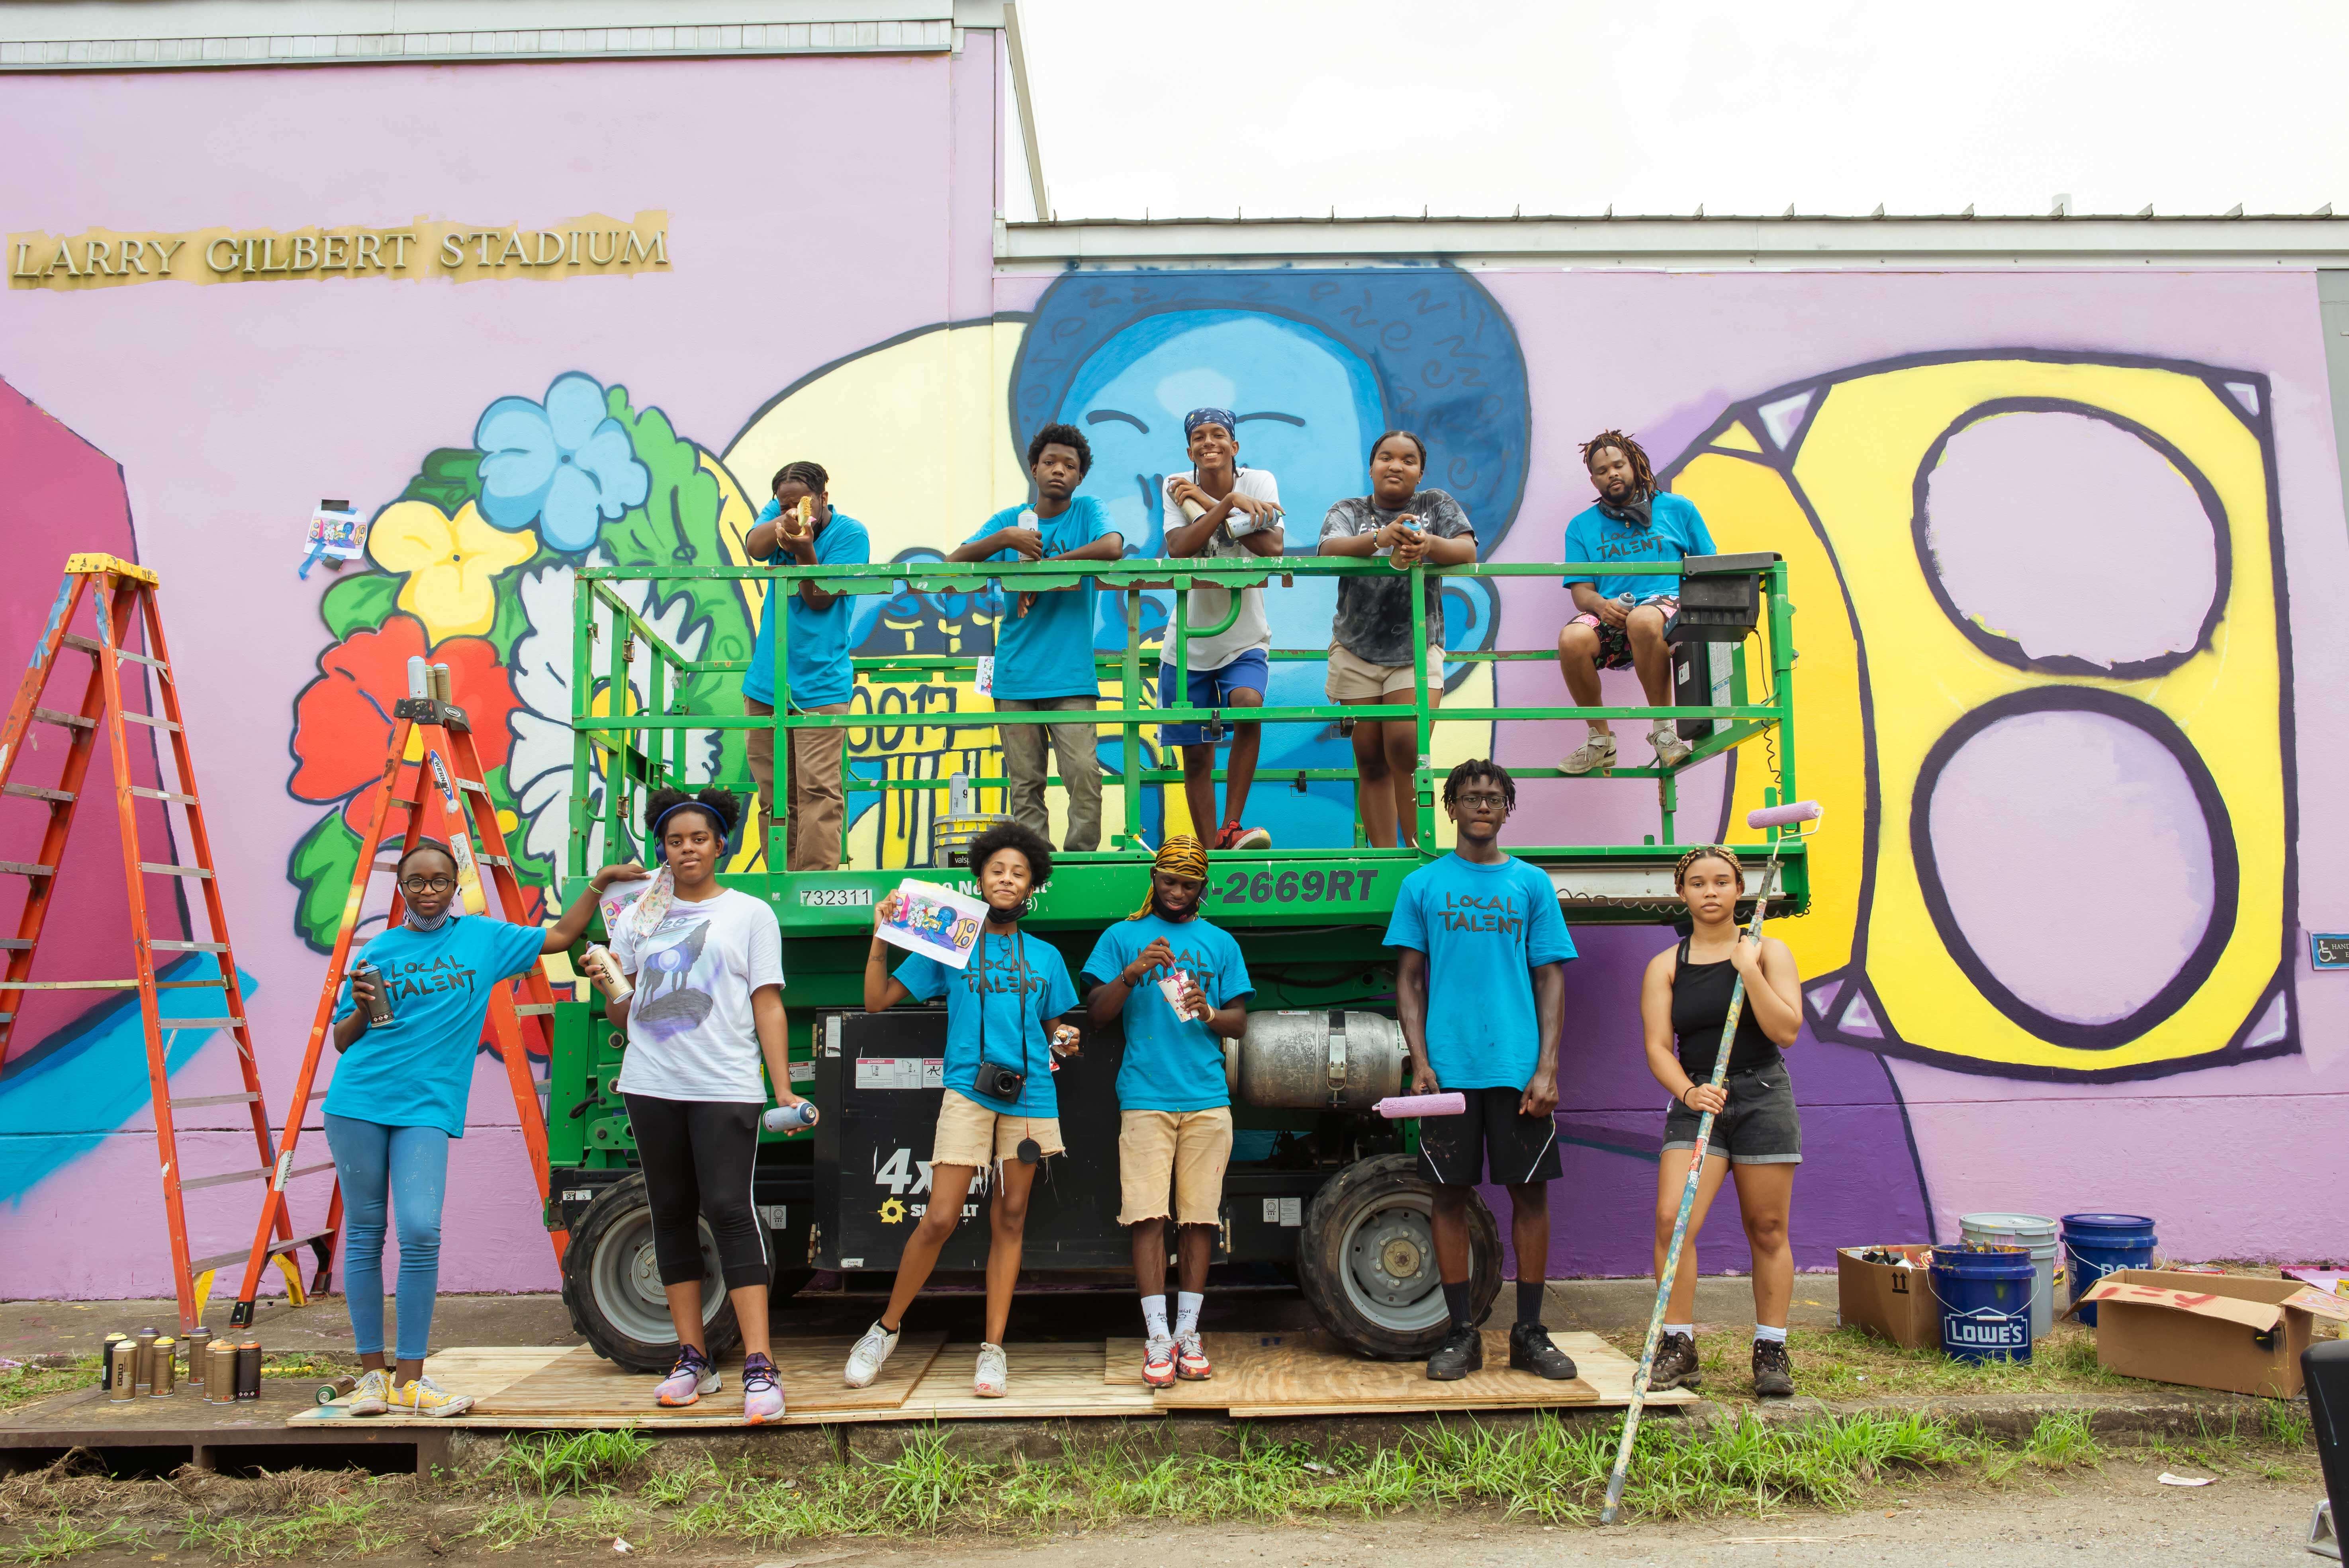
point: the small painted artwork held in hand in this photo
(935, 922)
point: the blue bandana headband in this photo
(1198, 417)
(660, 823)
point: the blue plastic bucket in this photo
(2096, 1245)
(1985, 1295)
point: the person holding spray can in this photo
(407, 1027)
(1757, 1134)
(701, 1000)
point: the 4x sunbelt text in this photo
(589, 246)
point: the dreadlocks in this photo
(1643, 477)
(1708, 853)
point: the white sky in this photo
(1192, 107)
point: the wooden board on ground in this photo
(576, 1389)
(1309, 1374)
(1047, 1380)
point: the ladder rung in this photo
(160, 870)
(494, 860)
(468, 784)
(25, 869)
(72, 984)
(261, 1175)
(149, 720)
(17, 944)
(203, 1023)
(534, 1009)
(161, 946)
(35, 791)
(86, 646)
(71, 720)
(142, 790)
(287, 1245)
(247, 1098)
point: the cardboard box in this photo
(2208, 1331)
(1889, 1301)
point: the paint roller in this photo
(1395, 1107)
(1792, 814)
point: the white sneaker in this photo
(373, 1395)
(993, 1378)
(870, 1354)
(1596, 753)
(1671, 749)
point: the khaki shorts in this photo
(970, 1134)
(1189, 1147)
(1353, 679)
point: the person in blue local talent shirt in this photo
(1175, 1117)
(1044, 641)
(817, 673)
(1620, 616)
(398, 1097)
(999, 1113)
(1481, 990)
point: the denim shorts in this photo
(1210, 688)
(1760, 1125)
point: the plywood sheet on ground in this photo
(1047, 1380)
(1310, 1374)
(576, 1389)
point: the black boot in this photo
(1774, 1375)
(1530, 1350)
(1462, 1352)
(1675, 1366)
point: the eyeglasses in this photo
(427, 885)
(1483, 802)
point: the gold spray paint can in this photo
(121, 1357)
(165, 1373)
(220, 1372)
(200, 1343)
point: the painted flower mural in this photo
(475, 567)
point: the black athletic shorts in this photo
(1453, 1149)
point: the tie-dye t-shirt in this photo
(689, 1031)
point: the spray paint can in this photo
(248, 1370)
(612, 982)
(378, 1010)
(121, 1357)
(327, 1393)
(106, 1361)
(142, 1365)
(785, 1118)
(200, 1342)
(165, 1372)
(220, 1372)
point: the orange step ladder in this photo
(440, 788)
(121, 599)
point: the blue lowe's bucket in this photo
(1985, 1294)
(2096, 1245)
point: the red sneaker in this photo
(1236, 837)
(1191, 1363)
(1158, 1363)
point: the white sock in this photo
(1687, 1328)
(1762, 1331)
(1154, 1315)
(1187, 1311)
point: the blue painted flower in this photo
(564, 461)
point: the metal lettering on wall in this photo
(589, 246)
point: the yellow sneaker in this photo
(426, 1397)
(373, 1395)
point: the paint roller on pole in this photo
(1792, 815)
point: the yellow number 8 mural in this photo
(2043, 670)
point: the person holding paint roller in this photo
(1183, 988)
(1480, 988)
(407, 1029)
(1757, 1132)
(700, 998)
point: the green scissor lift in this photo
(1334, 1203)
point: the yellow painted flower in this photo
(452, 563)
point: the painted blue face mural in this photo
(1315, 364)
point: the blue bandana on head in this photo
(1198, 417)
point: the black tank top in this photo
(1700, 1007)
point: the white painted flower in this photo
(538, 768)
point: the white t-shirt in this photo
(1209, 605)
(690, 1029)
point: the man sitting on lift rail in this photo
(1183, 988)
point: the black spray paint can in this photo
(379, 1011)
(248, 1370)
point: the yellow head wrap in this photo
(1182, 856)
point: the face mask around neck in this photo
(419, 925)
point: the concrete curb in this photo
(2165, 1412)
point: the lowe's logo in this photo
(2002, 1332)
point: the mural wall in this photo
(2054, 688)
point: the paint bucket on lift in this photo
(2036, 1235)
(1986, 1294)
(2096, 1245)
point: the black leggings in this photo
(697, 1156)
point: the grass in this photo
(63, 1538)
(552, 1463)
(338, 1527)
(1850, 1364)
(28, 1384)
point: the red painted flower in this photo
(342, 720)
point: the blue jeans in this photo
(407, 1167)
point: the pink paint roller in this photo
(1784, 816)
(1395, 1107)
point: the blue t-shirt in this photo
(1483, 928)
(1048, 652)
(1675, 529)
(417, 1069)
(1172, 1063)
(1015, 1009)
(815, 660)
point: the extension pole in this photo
(1781, 816)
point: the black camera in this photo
(997, 1081)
